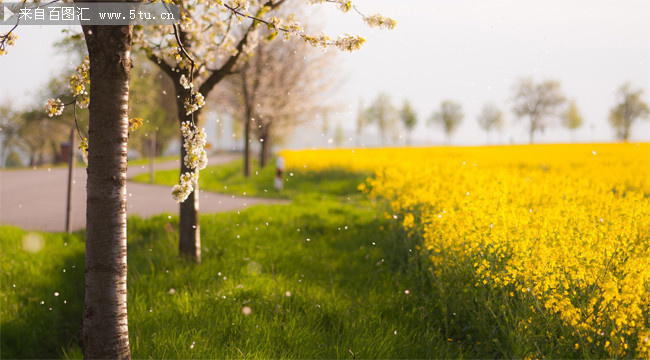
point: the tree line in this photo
(279, 86)
(535, 103)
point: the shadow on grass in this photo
(42, 295)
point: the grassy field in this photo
(324, 277)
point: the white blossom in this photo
(274, 23)
(343, 5)
(181, 191)
(240, 5)
(194, 140)
(349, 42)
(175, 53)
(380, 21)
(54, 107)
(185, 82)
(294, 28)
(83, 100)
(83, 147)
(11, 39)
(317, 41)
(195, 104)
(81, 78)
(196, 158)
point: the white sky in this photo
(470, 51)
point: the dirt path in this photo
(36, 199)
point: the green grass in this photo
(81, 164)
(345, 267)
(36, 323)
(229, 178)
(345, 264)
(345, 293)
(158, 159)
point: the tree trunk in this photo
(248, 104)
(104, 333)
(56, 153)
(532, 133)
(189, 242)
(265, 148)
(626, 132)
(533, 127)
(247, 143)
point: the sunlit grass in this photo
(298, 182)
(157, 159)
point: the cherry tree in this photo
(212, 37)
(104, 331)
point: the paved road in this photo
(36, 199)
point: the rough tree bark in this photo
(104, 332)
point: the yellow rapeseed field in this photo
(568, 225)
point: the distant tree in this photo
(630, 108)
(382, 113)
(448, 117)
(571, 118)
(361, 120)
(537, 102)
(491, 117)
(9, 126)
(152, 99)
(278, 85)
(33, 133)
(40, 136)
(409, 119)
(325, 123)
(12, 160)
(339, 135)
